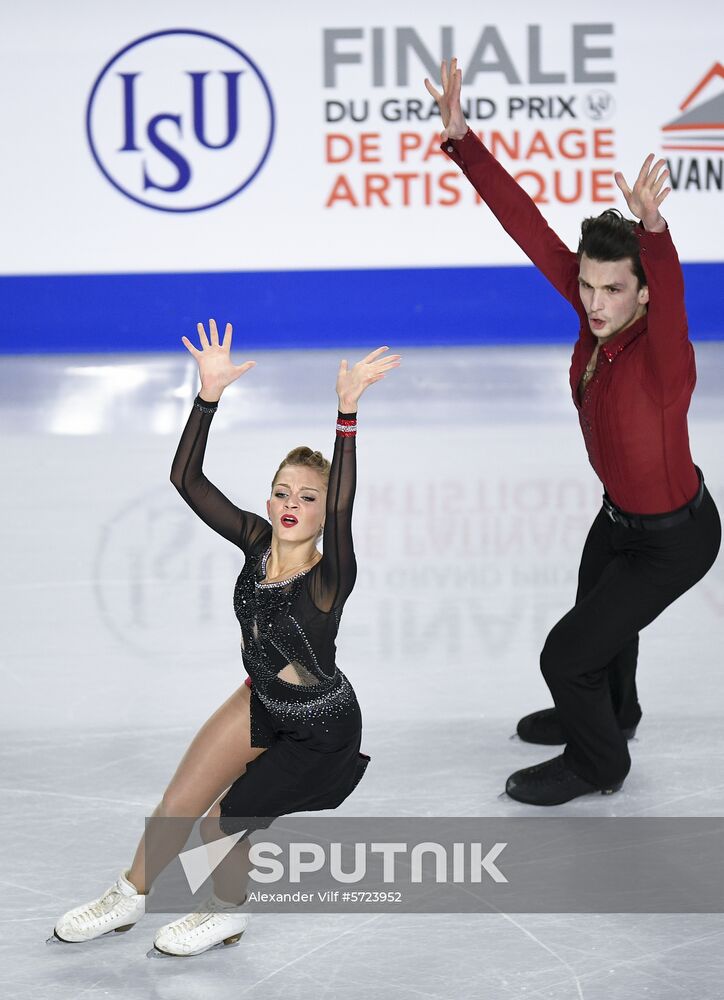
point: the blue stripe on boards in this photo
(308, 309)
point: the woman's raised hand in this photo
(448, 101)
(647, 194)
(352, 382)
(214, 361)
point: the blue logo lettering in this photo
(180, 120)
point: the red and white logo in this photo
(701, 125)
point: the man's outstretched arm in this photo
(508, 202)
(669, 351)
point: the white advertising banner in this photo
(178, 136)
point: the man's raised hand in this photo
(214, 361)
(647, 194)
(448, 101)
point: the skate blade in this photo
(55, 939)
(613, 789)
(231, 942)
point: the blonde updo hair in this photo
(308, 459)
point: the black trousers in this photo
(626, 579)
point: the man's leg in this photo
(622, 682)
(574, 663)
(650, 571)
(545, 726)
(598, 552)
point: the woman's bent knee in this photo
(176, 804)
(210, 829)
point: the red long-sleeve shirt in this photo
(633, 412)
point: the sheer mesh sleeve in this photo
(248, 531)
(333, 577)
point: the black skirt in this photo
(308, 766)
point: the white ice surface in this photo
(119, 640)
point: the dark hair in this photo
(610, 236)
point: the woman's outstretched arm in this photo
(337, 570)
(217, 371)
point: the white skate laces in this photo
(118, 909)
(215, 923)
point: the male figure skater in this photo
(632, 375)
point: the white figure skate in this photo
(118, 909)
(216, 923)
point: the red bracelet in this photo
(346, 428)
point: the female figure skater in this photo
(289, 738)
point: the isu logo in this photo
(180, 120)
(701, 125)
